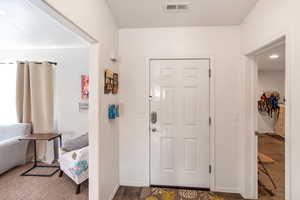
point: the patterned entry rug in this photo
(154, 193)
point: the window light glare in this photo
(2, 12)
(274, 56)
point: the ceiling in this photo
(265, 63)
(25, 26)
(151, 13)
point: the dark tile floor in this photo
(270, 146)
(274, 148)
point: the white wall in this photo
(95, 18)
(72, 63)
(269, 81)
(135, 46)
(269, 20)
(294, 138)
(294, 95)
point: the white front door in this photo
(179, 122)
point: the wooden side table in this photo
(43, 137)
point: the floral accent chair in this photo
(75, 165)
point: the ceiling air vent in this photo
(177, 7)
(182, 7)
(172, 7)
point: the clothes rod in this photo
(11, 63)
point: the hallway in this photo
(274, 148)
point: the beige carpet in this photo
(16, 187)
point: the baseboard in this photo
(226, 190)
(248, 196)
(133, 183)
(266, 132)
(114, 192)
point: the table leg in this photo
(35, 157)
(60, 145)
(35, 164)
(60, 141)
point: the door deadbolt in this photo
(153, 117)
(154, 130)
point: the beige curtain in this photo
(35, 102)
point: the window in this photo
(8, 112)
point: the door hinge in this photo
(209, 169)
(209, 73)
(210, 121)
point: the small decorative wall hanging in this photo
(111, 82)
(85, 91)
(268, 103)
(83, 106)
(115, 83)
(108, 81)
(113, 111)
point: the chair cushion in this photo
(76, 143)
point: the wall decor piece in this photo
(85, 91)
(112, 111)
(108, 81)
(83, 106)
(268, 103)
(115, 83)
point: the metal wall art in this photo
(85, 91)
(268, 103)
(84, 94)
(113, 111)
(111, 82)
(115, 83)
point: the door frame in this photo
(211, 114)
(95, 108)
(251, 149)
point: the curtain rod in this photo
(10, 63)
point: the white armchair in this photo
(75, 165)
